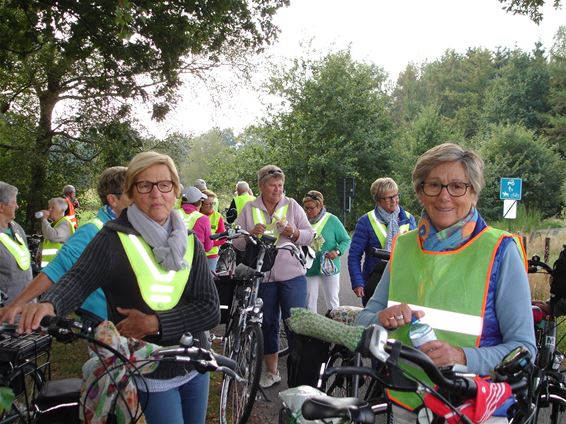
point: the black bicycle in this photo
(444, 399)
(548, 389)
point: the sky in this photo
(388, 33)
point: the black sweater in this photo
(104, 264)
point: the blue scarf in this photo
(450, 238)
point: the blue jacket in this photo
(68, 255)
(363, 239)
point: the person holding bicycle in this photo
(15, 258)
(157, 283)
(285, 286)
(376, 229)
(465, 279)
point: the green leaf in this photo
(6, 398)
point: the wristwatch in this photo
(339, 253)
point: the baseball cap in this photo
(192, 195)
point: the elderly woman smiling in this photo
(466, 279)
(285, 286)
(134, 259)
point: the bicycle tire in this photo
(339, 385)
(26, 382)
(555, 404)
(237, 399)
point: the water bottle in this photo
(39, 214)
(420, 333)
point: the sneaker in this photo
(269, 379)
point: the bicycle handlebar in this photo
(372, 341)
(535, 263)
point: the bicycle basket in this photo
(250, 255)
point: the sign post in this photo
(510, 191)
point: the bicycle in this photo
(243, 338)
(443, 401)
(549, 382)
(59, 401)
(34, 247)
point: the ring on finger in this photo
(399, 317)
(393, 318)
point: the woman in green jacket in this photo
(330, 242)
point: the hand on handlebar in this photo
(396, 316)
(443, 354)
(32, 314)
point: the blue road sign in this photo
(510, 188)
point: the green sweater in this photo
(335, 238)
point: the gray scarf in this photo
(392, 222)
(168, 241)
(317, 218)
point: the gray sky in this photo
(388, 33)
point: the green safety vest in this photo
(214, 220)
(49, 249)
(450, 287)
(318, 240)
(380, 229)
(190, 218)
(259, 217)
(161, 289)
(18, 249)
(241, 201)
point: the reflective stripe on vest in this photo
(49, 249)
(161, 289)
(450, 287)
(258, 216)
(319, 226)
(17, 249)
(241, 201)
(214, 221)
(381, 230)
(191, 218)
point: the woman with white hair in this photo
(15, 259)
(56, 229)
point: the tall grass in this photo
(527, 221)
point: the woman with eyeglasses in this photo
(157, 284)
(376, 229)
(331, 240)
(465, 279)
(285, 285)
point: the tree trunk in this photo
(40, 158)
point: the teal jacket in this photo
(68, 255)
(335, 238)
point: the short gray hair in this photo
(242, 187)
(7, 192)
(69, 189)
(269, 172)
(381, 186)
(449, 152)
(59, 202)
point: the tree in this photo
(530, 8)
(514, 151)
(335, 123)
(68, 65)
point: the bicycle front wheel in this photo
(237, 398)
(555, 412)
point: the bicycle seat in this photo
(321, 407)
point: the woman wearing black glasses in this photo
(376, 229)
(467, 280)
(157, 283)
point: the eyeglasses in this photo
(144, 187)
(455, 189)
(310, 208)
(312, 196)
(207, 204)
(390, 198)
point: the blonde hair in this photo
(381, 186)
(209, 193)
(144, 160)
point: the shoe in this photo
(269, 379)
